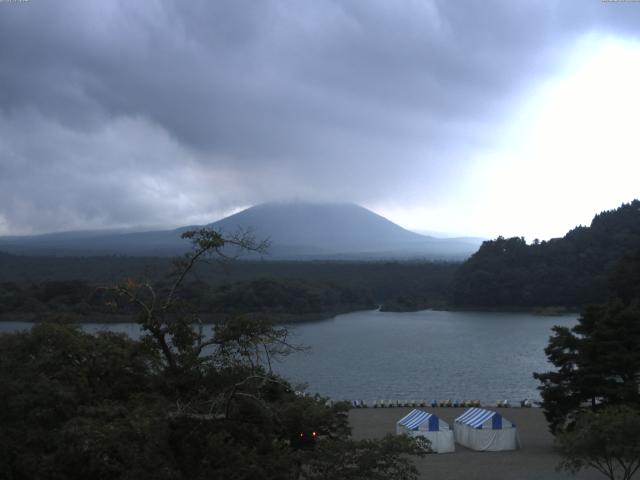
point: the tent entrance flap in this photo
(485, 430)
(419, 423)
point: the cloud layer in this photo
(121, 113)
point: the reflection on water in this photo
(422, 355)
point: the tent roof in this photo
(475, 417)
(415, 418)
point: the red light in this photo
(314, 434)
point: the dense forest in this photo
(572, 271)
(265, 296)
(31, 287)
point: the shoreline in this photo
(282, 318)
(207, 319)
(542, 311)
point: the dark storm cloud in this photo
(118, 113)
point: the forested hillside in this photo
(571, 271)
(36, 286)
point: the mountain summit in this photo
(328, 228)
(295, 230)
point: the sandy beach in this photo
(536, 460)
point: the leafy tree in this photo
(608, 441)
(177, 404)
(57, 386)
(364, 460)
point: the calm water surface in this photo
(421, 355)
(424, 355)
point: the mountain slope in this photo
(322, 229)
(571, 271)
(296, 231)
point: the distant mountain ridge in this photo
(572, 271)
(303, 231)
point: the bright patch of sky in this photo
(570, 151)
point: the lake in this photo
(419, 355)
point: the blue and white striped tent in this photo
(429, 426)
(485, 430)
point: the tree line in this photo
(572, 271)
(293, 288)
(265, 295)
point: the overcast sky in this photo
(473, 117)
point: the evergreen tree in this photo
(597, 361)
